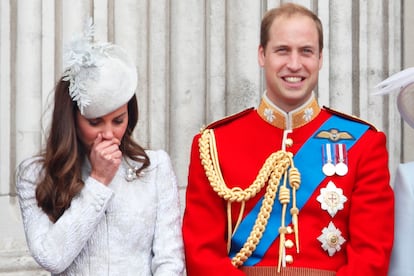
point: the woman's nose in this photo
(107, 133)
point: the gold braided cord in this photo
(284, 198)
(275, 166)
(294, 181)
(209, 160)
(218, 175)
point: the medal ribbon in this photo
(310, 178)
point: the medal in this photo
(331, 239)
(341, 167)
(328, 168)
(331, 198)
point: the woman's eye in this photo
(118, 121)
(93, 122)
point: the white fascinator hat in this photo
(101, 75)
(403, 84)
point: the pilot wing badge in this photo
(334, 135)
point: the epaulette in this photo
(228, 119)
(350, 117)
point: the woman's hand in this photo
(105, 157)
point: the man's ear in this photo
(261, 55)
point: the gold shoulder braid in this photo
(276, 166)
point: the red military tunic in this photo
(243, 143)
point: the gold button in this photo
(289, 259)
(289, 142)
(289, 243)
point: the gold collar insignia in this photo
(291, 120)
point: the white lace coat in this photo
(125, 228)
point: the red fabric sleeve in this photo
(204, 225)
(371, 218)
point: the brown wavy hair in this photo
(64, 154)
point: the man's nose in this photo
(294, 63)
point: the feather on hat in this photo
(402, 83)
(101, 75)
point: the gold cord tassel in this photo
(284, 199)
(277, 164)
(294, 181)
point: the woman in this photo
(402, 83)
(94, 202)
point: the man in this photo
(289, 187)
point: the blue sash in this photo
(311, 177)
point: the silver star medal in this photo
(332, 199)
(331, 239)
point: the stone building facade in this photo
(197, 62)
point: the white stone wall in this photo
(408, 61)
(197, 62)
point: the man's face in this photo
(291, 61)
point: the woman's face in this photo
(112, 125)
